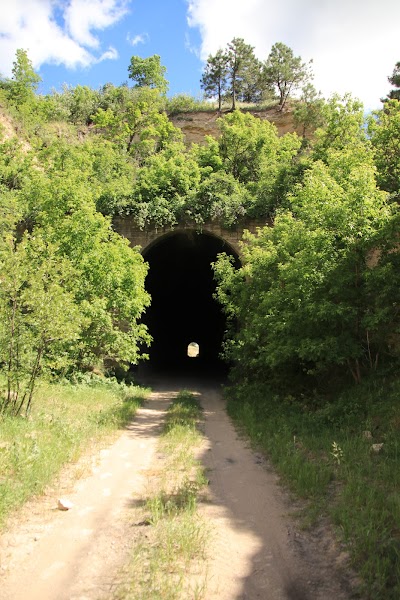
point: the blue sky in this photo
(150, 27)
(354, 43)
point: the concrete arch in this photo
(145, 238)
(181, 284)
(228, 246)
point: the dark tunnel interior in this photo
(183, 310)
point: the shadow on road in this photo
(257, 551)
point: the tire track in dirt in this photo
(257, 551)
(75, 555)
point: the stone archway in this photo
(144, 238)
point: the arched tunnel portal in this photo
(183, 310)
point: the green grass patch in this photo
(324, 451)
(169, 559)
(64, 420)
(184, 103)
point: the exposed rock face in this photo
(7, 130)
(196, 125)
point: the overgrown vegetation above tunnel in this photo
(322, 284)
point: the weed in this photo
(337, 453)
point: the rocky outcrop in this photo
(196, 125)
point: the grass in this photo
(169, 559)
(64, 420)
(323, 451)
(184, 103)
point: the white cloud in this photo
(191, 47)
(141, 38)
(110, 54)
(82, 16)
(354, 43)
(70, 40)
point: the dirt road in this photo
(259, 551)
(256, 552)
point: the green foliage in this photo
(394, 79)
(309, 112)
(214, 78)
(83, 103)
(343, 127)
(109, 288)
(285, 72)
(23, 84)
(181, 103)
(234, 74)
(133, 119)
(317, 303)
(244, 144)
(243, 72)
(163, 185)
(220, 197)
(148, 72)
(72, 290)
(39, 317)
(307, 297)
(252, 155)
(384, 131)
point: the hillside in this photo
(196, 125)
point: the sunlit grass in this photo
(324, 453)
(64, 420)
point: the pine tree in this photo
(214, 78)
(285, 72)
(395, 81)
(243, 70)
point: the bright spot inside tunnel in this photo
(193, 350)
(183, 310)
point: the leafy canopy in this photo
(148, 72)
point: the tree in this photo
(39, 316)
(163, 186)
(108, 286)
(148, 72)
(243, 69)
(250, 150)
(244, 143)
(133, 119)
(394, 79)
(219, 197)
(25, 80)
(83, 104)
(285, 72)
(309, 113)
(307, 297)
(214, 78)
(344, 127)
(384, 131)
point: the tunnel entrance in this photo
(183, 310)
